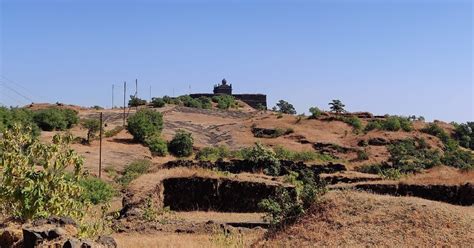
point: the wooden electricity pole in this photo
(113, 86)
(124, 100)
(100, 147)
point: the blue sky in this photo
(398, 57)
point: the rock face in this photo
(51, 232)
(454, 194)
(223, 195)
(270, 132)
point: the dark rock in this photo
(87, 244)
(31, 238)
(107, 241)
(56, 233)
(8, 239)
(72, 243)
(378, 142)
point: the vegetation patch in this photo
(391, 123)
(55, 119)
(182, 144)
(132, 171)
(271, 133)
(96, 191)
(145, 123)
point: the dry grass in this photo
(356, 219)
(441, 175)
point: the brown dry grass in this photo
(357, 219)
(441, 175)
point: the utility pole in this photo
(150, 93)
(124, 100)
(113, 86)
(136, 87)
(100, 147)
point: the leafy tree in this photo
(315, 112)
(182, 144)
(144, 124)
(92, 126)
(35, 181)
(158, 102)
(337, 107)
(224, 101)
(285, 107)
(136, 102)
(464, 134)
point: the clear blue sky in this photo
(398, 57)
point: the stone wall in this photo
(253, 100)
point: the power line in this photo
(34, 95)
(15, 91)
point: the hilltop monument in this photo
(255, 101)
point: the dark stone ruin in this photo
(255, 101)
(453, 194)
(216, 194)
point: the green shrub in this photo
(262, 158)
(157, 102)
(282, 153)
(213, 153)
(133, 171)
(390, 123)
(413, 155)
(464, 134)
(182, 144)
(111, 133)
(458, 158)
(55, 119)
(96, 191)
(145, 123)
(354, 122)
(373, 125)
(362, 155)
(34, 180)
(136, 102)
(315, 113)
(206, 102)
(157, 146)
(19, 116)
(92, 126)
(285, 207)
(435, 130)
(224, 101)
(285, 107)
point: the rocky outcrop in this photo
(51, 232)
(217, 194)
(270, 132)
(454, 194)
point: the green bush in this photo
(182, 144)
(285, 207)
(144, 124)
(391, 123)
(315, 113)
(413, 155)
(96, 191)
(224, 101)
(282, 153)
(206, 102)
(464, 134)
(455, 157)
(19, 116)
(133, 171)
(213, 153)
(55, 119)
(285, 107)
(362, 155)
(157, 146)
(262, 158)
(92, 126)
(158, 102)
(354, 122)
(136, 102)
(35, 181)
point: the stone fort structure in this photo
(253, 100)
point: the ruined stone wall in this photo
(253, 100)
